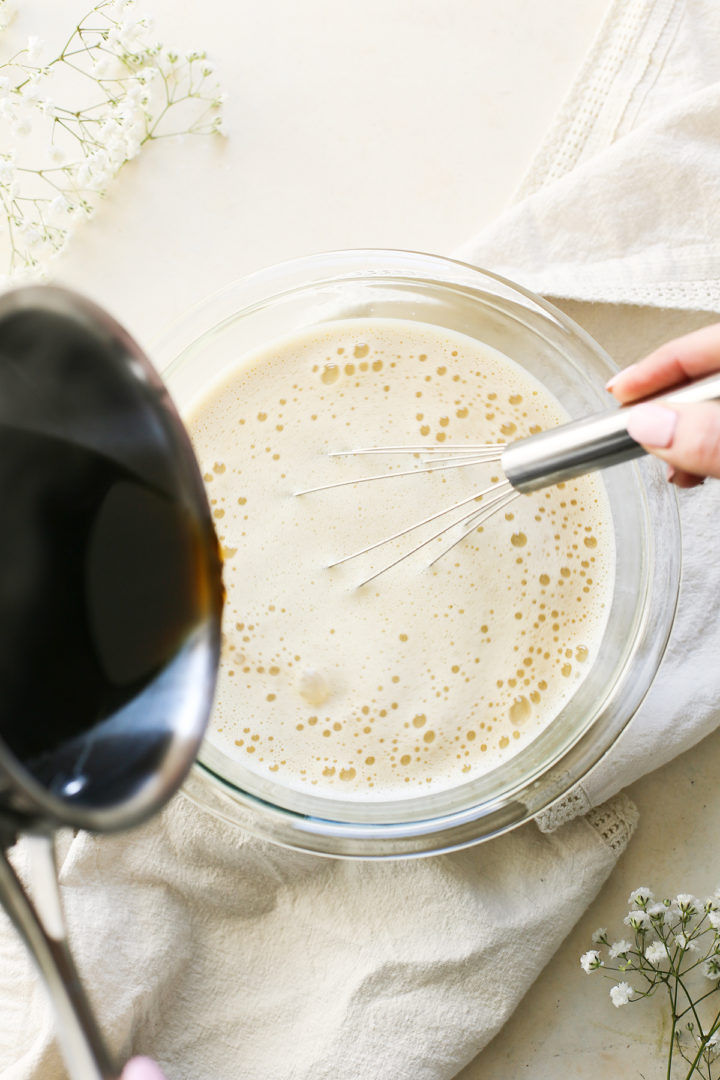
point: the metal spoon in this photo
(110, 603)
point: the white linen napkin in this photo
(228, 958)
(620, 205)
(225, 957)
(621, 208)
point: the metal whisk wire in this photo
(501, 500)
(479, 456)
(499, 494)
(503, 494)
(528, 464)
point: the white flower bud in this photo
(640, 897)
(711, 969)
(621, 994)
(83, 174)
(58, 210)
(8, 172)
(8, 11)
(21, 125)
(34, 48)
(656, 952)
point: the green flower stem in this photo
(677, 939)
(697, 1002)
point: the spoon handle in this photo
(41, 924)
(583, 446)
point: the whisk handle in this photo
(583, 446)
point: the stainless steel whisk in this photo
(529, 464)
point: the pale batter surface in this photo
(425, 677)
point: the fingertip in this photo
(627, 385)
(142, 1068)
(618, 378)
(696, 443)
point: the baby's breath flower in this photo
(141, 88)
(84, 174)
(640, 897)
(599, 937)
(711, 968)
(101, 66)
(8, 169)
(639, 920)
(21, 125)
(8, 11)
(30, 235)
(34, 48)
(676, 949)
(590, 961)
(58, 210)
(621, 994)
(673, 914)
(656, 952)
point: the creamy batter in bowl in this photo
(306, 347)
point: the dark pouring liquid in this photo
(109, 570)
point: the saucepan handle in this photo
(39, 921)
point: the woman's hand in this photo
(687, 437)
(142, 1068)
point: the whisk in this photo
(529, 464)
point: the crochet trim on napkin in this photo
(615, 821)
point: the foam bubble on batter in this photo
(426, 677)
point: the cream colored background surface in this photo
(364, 123)
(398, 123)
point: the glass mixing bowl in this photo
(430, 289)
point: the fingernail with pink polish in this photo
(652, 425)
(142, 1068)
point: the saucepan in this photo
(110, 604)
